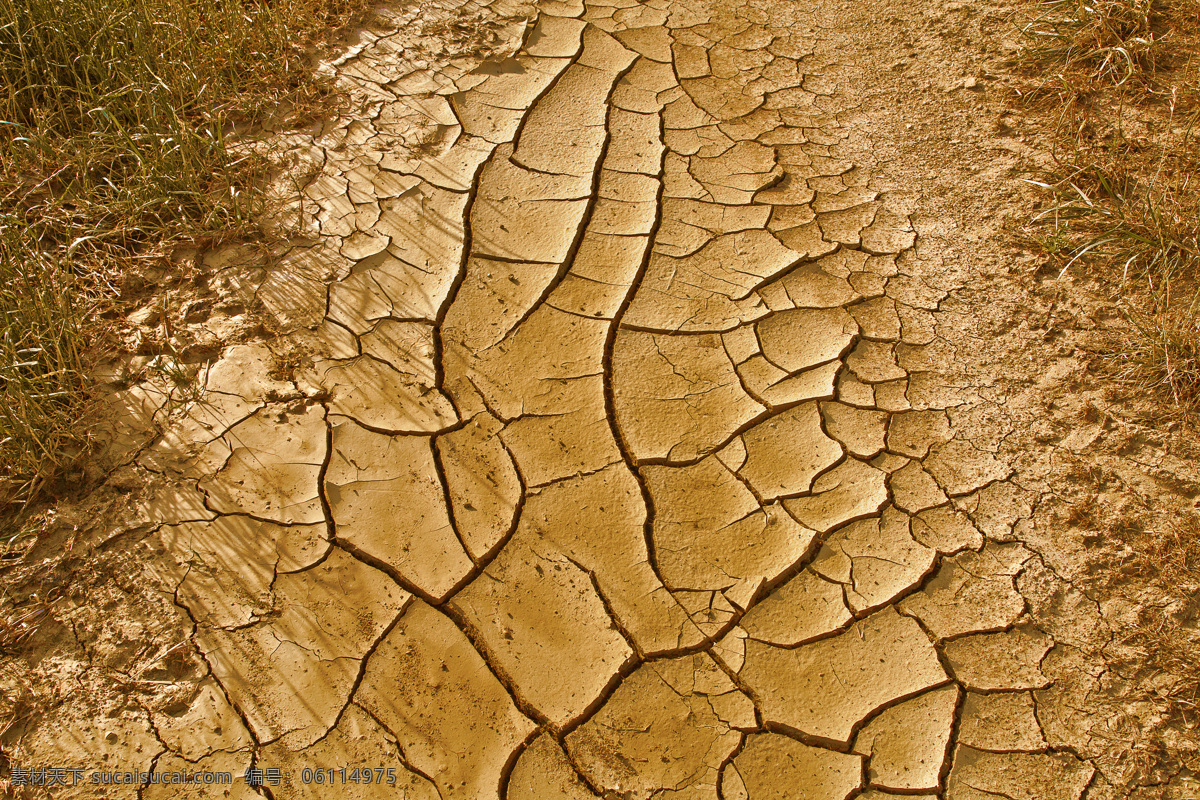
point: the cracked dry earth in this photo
(643, 444)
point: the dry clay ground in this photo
(653, 408)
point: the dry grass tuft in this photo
(1122, 78)
(116, 124)
(1166, 636)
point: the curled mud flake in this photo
(737, 174)
(877, 317)
(527, 216)
(728, 540)
(676, 397)
(661, 728)
(227, 565)
(543, 772)
(860, 431)
(790, 190)
(877, 558)
(906, 744)
(787, 451)
(556, 446)
(914, 489)
(977, 775)
(555, 36)
(972, 592)
(598, 522)
(802, 338)
(848, 491)
(450, 715)
(202, 724)
(545, 627)
(272, 468)
(482, 482)
(825, 688)
(875, 362)
(374, 393)
(494, 296)
(245, 370)
(776, 767)
(387, 502)
(888, 232)
(946, 530)
(1000, 661)
(359, 245)
(803, 608)
(911, 433)
(1001, 722)
(960, 468)
(404, 345)
(493, 109)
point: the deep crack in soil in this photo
(670, 422)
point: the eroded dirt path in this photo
(630, 455)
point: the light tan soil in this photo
(655, 406)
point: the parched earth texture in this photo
(650, 435)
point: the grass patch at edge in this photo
(1122, 80)
(116, 118)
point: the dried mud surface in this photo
(652, 412)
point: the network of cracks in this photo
(614, 471)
